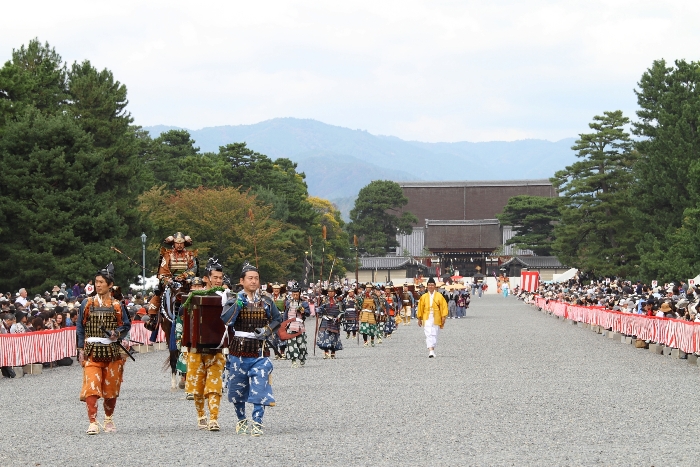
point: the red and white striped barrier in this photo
(49, 346)
(675, 333)
(139, 333)
(36, 347)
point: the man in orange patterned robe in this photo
(99, 326)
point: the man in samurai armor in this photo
(407, 304)
(277, 293)
(297, 310)
(177, 265)
(350, 323)
(380, 299)
(330, 313)
(369, 307)
(205, 367)
(391, 302)
(251, 319)
(99, 328)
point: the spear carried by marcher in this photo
(255, 243)
(331, 273)
(127, 257)
(323, 250)
(316, 331)
(311, 251)
(357, 264)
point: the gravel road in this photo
(509, 386)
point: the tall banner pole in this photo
(323, 250)
(357, 263)
(311, 252)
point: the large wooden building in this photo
(457, 221)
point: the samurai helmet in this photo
(197, 281)
(107, 272)
(247, 267)
(178, 238)
(213, 265)
(294, 287)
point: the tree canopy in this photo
(666, 194)
(70, 170)
(595, 231)
(224, 223)
(533, 219)
(376, 218)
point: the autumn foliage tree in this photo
(220, 223)
(337, 243)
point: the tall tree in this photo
(595, 232)
(176, 162)
(375, 218)
(666, 194)
(70, 171)
(218, 221)
(337, 245)
(36, 77)
(533, 219)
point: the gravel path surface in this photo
(510, 386)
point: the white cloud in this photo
(426, 70)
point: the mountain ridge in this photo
(339, 161)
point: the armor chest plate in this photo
(249, 318)
(178, 265)
(98, 318)
(332, 308)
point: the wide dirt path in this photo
(510, 386)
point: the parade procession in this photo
(222, 337)
(294, 234)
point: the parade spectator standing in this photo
(22, 297)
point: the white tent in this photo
(151, 283)
(565, 276)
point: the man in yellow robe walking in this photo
(432, 313)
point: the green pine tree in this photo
(596, 233)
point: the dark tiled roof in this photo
(536, 262)
(430, 222)
(477, 183)
(389, 262)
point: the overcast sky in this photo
(419, 70)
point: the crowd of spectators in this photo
(53, 310)
(672, 300)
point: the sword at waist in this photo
(247, 335)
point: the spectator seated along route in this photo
(671, 301)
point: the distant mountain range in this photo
(339, 161)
